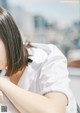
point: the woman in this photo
(37, 73)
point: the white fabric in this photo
(47, 73)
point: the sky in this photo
(64, 12)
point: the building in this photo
(3, 3)
(24, 21)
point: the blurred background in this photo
(51, 21)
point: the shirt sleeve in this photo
(54, 73)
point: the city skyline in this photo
(53, 10)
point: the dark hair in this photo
(17, 54)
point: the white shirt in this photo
(47, 73)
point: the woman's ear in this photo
(6, 67)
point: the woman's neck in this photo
(16, 77)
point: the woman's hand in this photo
(3, 80)
(1, 93)
(1, 97)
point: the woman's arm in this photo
(28, 102)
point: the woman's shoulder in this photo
(42, 52)
(37, 55)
